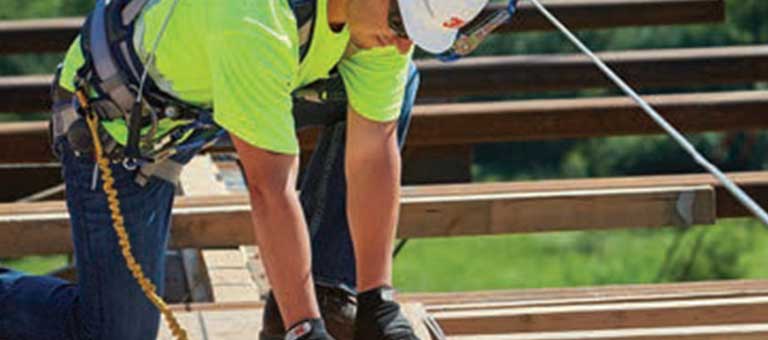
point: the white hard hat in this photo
(434, 24)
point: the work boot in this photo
(312, 329)
(379, 317)
(337, 307)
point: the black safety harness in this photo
(115, 80)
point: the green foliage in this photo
(36, 265)
(732, 249)
(24, 9)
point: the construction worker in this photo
(243, 62)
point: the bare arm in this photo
(368, 25)
(280, 229)
(373, 177)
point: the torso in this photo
(176, 57)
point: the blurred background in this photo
(736, 248)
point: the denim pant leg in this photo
(323, 198)
(107, 303)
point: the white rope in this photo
(747, 201)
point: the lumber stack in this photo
(219, 280)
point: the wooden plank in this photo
(44, 226)
(230, 278)
(547, 119)
(25, 94)
(723, 332)
(595, 295)
(507, 75)
(606, 316)
(435, 302)
(200, 177)
(228, 271)
(176, 284)
(232, 325)
(727, 206)
(30, 141)
(256, 268)
(46, 176)
(437, 164)
(416, 315)
(535, 212)
(192, 323)
(609, 293)
(38, 35)
(461, 124)
(512, 75)
(54, 35)
(196, 274)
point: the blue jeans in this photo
(106, 303)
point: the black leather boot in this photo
(379, 317)
(337, 307)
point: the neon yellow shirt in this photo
(242, 59)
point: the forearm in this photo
(373, 189)
(280, 229)
(284, 247)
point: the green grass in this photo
(35, 264)
(732, 249)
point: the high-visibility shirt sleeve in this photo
(254, 61)
(375, 81)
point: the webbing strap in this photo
(304, 11)
(168, 170)
(132, 11)
(64, 115)
(105, 66)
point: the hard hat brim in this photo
(420, 28)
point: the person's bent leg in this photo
(107, 303)
(37, 307)
(112, 304)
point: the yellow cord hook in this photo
(118, 224)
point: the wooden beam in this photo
(538, 296)
(25, 94)
(610, 293)
(437, 164)
(491, 214)
(230, 277)
(427, 210)
(15, 183)
(547, 119)
(507, 75)
(444, 210)
(755, 184)
(719, 332)
(470, 123)
(750, 310)
(54, 35)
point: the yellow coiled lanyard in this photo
(118, 222)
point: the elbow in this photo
(383, 160)
(270, 195)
